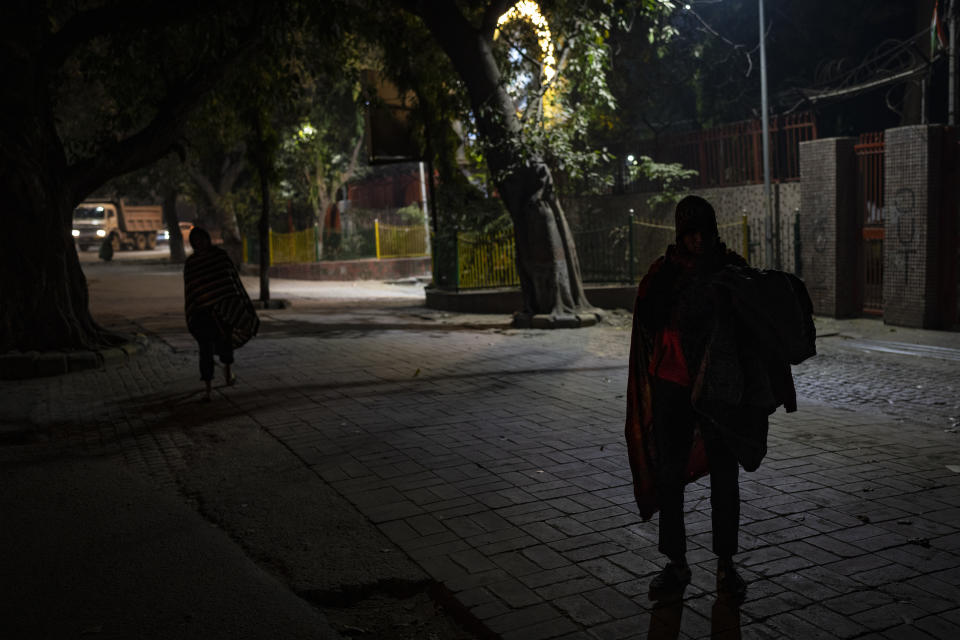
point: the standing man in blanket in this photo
(220, 315)
(710, 359)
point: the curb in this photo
(20, 365)
(272, 303)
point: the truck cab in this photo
(92, 222)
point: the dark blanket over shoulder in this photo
(211, 283)
(762, 323)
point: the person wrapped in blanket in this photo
(710, 357)
(220, 315)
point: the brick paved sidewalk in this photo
(495, 459)
(501, 469)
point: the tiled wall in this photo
(828, 226)
(913, 249)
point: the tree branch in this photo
(205, 185)
(87, 25)
(232, 169)
(354, 159)
(156, 139)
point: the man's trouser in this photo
(673, 425)
(210, 341)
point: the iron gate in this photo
(869, 152)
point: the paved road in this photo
(493, 459)
(901, 379)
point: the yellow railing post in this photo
(376, 235)
(270, 246)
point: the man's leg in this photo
(205, 334)
(724, 496)
(673, 432)
(225, 350)
(206, 364)
(725, 513)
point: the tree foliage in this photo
(690, 65)
(95, 90)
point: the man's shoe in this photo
(670, 582)
(730, 585)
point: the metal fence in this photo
(728, 155)
(607, 255)
(486, 260)
(400, 241)
(380, 241)
(732, 154)
(299, 246)
(869, 152)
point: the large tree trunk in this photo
(44, 298)
(43, 292)
(177, 253)
(547, 260)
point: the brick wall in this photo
(828, 225)
(913, 249)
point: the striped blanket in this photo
(211, 283)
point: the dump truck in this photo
(126, 226)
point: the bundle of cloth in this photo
(220, 315)
(729, 333)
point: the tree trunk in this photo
(177, 253)
(43, 292)
(264, 228)
(319, 220)
(43, 296)
(217, 199)
(547, 260)
(44, 301)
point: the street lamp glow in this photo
(630, 158)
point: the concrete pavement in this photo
(492, 460)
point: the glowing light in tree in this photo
(530, 12)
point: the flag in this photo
(937, 38)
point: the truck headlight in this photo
(100, 233)
(75, 233)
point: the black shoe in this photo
(670, 582)
(730, 585)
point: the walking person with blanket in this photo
(220, 315)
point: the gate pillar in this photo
(829, 225)
(919, 211)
